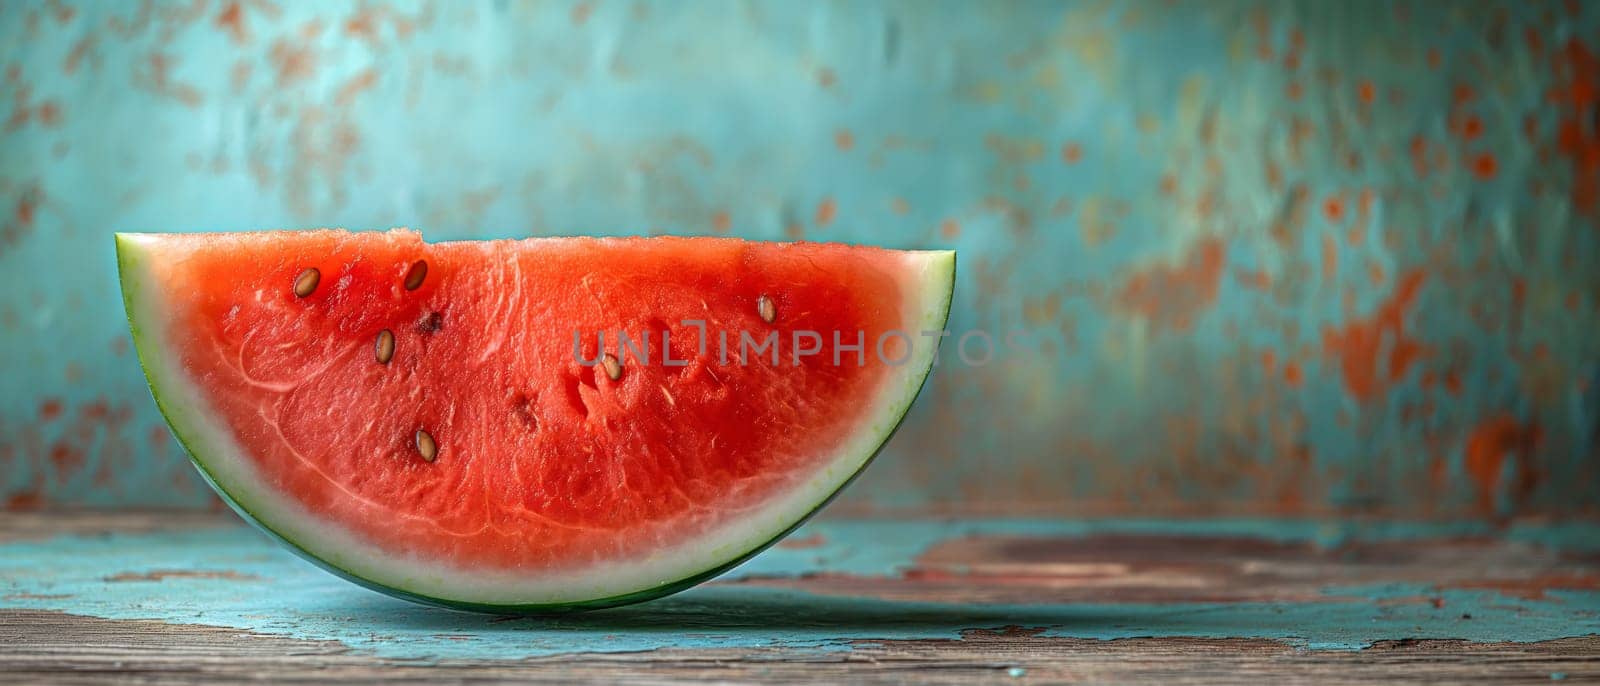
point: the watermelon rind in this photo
(929, 286)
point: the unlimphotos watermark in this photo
(893, 347)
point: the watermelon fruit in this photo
(463, 423)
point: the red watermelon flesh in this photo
(551, 482)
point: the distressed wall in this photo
(1273, 258)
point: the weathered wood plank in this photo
(73, 649)
(165, 597)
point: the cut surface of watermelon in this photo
(440, 421)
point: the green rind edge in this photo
(124, 260)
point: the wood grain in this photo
(1083, 571)
(57, 647)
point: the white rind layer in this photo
(927, 282)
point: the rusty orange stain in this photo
(80, 49)
(1471, 127)
(1294, 90)
(581, 12)
(1452, 382)
(1173, 296)
(1491, 443)
(1367, 92)
(843, 139)
(66, 458)
(1071, 153)
(49, 113)
(1375, 273)
(1462, 94)
(62, 12)
(293, 62)
(157, 81)
(22, 501)
(1292, 374)
(1333, 208)
(362, 25)
(1578, 73)
(49, 410)
(1433, 58)
(826, 210)
(20, 112)
(899, 205)
(721, 222)
(355, 85)
(25, 209)
(1169, 184)
(1269, 360)
(1361, 344)
(1419, 155)
(949, 229)
(1485, 166)
(231, 19)
(826, 78)
(1300, 131)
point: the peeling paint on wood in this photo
(51, 646)
(869, 582)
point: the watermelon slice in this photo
(440, 421)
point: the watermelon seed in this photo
(425, 445)
(306, 283)
(385, 348)
(766, 309)
(415, 275)
(613, 367)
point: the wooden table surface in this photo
(176, 597)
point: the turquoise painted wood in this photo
(1315, 585)
(1266, 257)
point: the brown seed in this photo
(425, 445)
(613, 367)
(384, 350)
(306, 283)
(415, 275)
(766, 309)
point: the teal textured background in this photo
(1276, 257)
